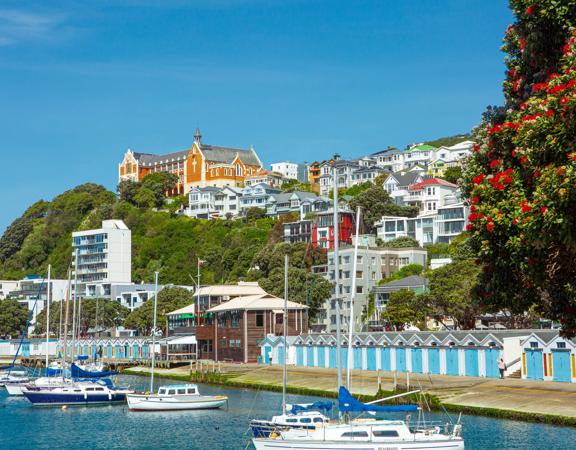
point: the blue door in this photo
(145, 351)
(299, 356)
(416, 360)
(491, 356)
(321, 356)
(310, 356)
(357, 357)
(281, 354)
(534, 365)
(109, 349)
(561, 370)
(344, 357)
(267, 351)
(434, 361)
(452, 361)
(25, 350)
(471, 358)
(371, 358)
(385, 358)
(135, 349)
(401, 359)
(332, 357)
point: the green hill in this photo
(160, 240)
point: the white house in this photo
(212, 202)
(286, 168)
(256, 196)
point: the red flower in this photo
(522, 105)
(549, 112)
(566, 49)
(475, 200)
(513, 152)
(536, 173)
(563, 100)
(522, 43)
(544, 210)
(571, 83)
(525, 207)
(490, 226)
(476, 148)
(489, 219)
(515, 221)
(530, 10)
(554, 75)
(495, 163)
(560, 171)
(472, 209)
(539, 87)
(498, 186)
(478, 179)
(523, 160)
(469, 227)
(530, 261)
(508, 180)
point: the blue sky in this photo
(83, 80)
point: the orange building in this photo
(201, 165)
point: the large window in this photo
(260, 319)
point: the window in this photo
(161, 392)
(347, 259)
(181, 391)
(318, 420)
(533, 344)
(359, 259)
(359, 274)
(171, 391)
(561, 344)
(354, 434)
(385, 433)
(98, 389)
(306, 420)
(191, 390)
(359, 289)
(259, 319)
(291, 420)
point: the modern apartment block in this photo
(104, 258)
(286, 168)
(373, 264)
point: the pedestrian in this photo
(501, 367)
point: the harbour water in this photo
(114, 427)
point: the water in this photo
(114, 427)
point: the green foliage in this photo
(255, 213)
(295, 185)
(127, 189)
(406, 271)
(451, 293)
(453, 174)
(375, 203)
(449, 140)
(13, 317)
(403, 308)
(353, 191)
(439, 250)
(17, 232)
(402, 242)
(106, 312)
(522, 177)
(169, 299)
(145, 198)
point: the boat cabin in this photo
(186, 389)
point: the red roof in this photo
(430, 182)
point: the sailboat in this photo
(361, 433)
(172, 397)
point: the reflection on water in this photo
(114, 427)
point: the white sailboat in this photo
(360, 433)
(173, 397)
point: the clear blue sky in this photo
(83, 80)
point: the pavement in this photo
(535, 397)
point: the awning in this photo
(184, 340)
(278, 311)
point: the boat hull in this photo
(48, 398)
(279, 444)
(139, 402)
(14, 389)
(264, 428)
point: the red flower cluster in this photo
(495, 163)
(549, 112)
(530, 117)
(511, 125)
(475, 216)
(476, 147)
(530, 10)
(525, 207)
(523, 160)
(495, 129)
(480, 178)
(490, 226)
(501, 179)
(475, 200)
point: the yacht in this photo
(302, 416)
(177, 397)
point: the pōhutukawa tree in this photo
(521, 179)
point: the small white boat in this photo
(177, 397)
(14, 377)
(15, 389)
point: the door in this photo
(371, 358)
(299, 355)
(267, 352)
(332, 357)
(471, 359)
(491, 362)
(434, 361)
(145, 351)
(281, 354)
(416, 354)
(357, 357)
(561, 369)
(385, 358)
(452, 361)
(534, 365)
(25, 350)
(401, 359)
(109, 351)
(344, 357)
(310, 356)
(321, 356)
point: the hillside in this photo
(448, 140)
(160, 240)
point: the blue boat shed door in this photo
(357, 357)
(385, 358)
(434, 361)
(310, 356)
(280, 354)
(332, 357)
(534, 366)
(491, 362)
(416, 360)
(452, 361)
(401, 359)
(321, 356)
(25, 349)
(471, 359)
(561, 369)
(371, 358)
(267, 351)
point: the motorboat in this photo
(82, 393)
(302, 416)
(174, 398)
(15, 389)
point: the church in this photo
(201, 165)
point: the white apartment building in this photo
(286, 168)
(430, 194)
(373, 264)
(213, 203)
(104, 258)
(132, 296)
(256, 196)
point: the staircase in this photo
(515, 374)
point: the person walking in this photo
(501, 367)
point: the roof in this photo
(421, 147)
(148, 159)
(256, 302)
(233, 290)
(183, 340)
(406, 178)
(432, 181)
(413, 281)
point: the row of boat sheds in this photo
(530, 354)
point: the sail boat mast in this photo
(154, 332)
(73, 351)
(48, 291)
(285, 322)
(337, 276)
(352, 292)
(65, 349)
